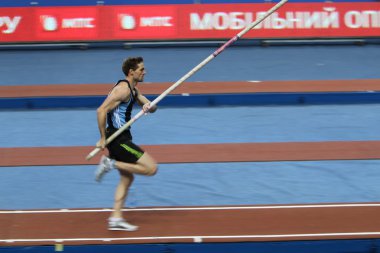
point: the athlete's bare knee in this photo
(152, 170)
(149, 165)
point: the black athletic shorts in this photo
(122, 148)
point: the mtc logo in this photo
(8, 25)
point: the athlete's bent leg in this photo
(145, 165)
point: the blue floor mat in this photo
(195, 184)
(198, 125)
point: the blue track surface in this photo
(195, 184)
(170, 64)
(198, 125)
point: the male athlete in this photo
(124, 155)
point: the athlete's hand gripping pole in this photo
(190, 73)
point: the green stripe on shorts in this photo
(136, 153)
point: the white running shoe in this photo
(105, 165)
(121, 225)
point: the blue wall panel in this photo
(324, 246)
(202, 100)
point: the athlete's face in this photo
(139, 73)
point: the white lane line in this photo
(195, 238)
(212, 208)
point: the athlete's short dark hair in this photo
(131, 63)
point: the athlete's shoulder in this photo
(122, 83)
(121, 91)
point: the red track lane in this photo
(191, 153)
(203, 224)
(196, 88)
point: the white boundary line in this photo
(197, 239)
(211, 208)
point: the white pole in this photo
(190, 73)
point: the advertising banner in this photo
(188, 21)
(141, 22)
(16, 24)
(66, 23)
(293, 20)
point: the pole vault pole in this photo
(190, 73)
